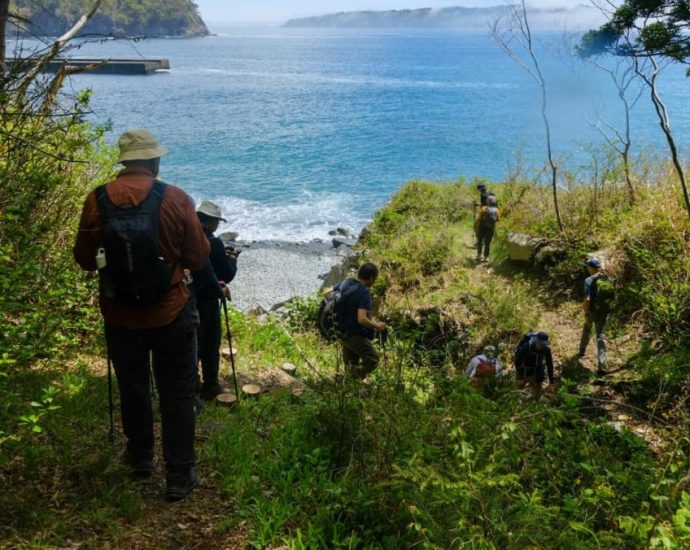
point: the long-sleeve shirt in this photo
(181, 242)
(219, 267)
(527, 355)
(224, 266)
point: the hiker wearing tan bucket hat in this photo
(210, 286)
(139, 144)
(140, 234)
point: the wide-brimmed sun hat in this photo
(139, 144)
(211, 210)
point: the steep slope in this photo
(179, 18)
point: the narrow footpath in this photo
(563, 321)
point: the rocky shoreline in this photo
(272, 273)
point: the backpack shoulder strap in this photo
(105, 205)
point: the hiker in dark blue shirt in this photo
(210, 286)
(532, 358)
(596, 313)
(355, 325)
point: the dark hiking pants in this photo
(598, 321)
(359, 355)
(209, 337)
(531, 373)
(484, 238)
(173, 349)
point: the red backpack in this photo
(485, 369)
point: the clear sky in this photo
(279, 11)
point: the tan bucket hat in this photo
(211, 210)
(139, 144)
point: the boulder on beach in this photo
(522, 248)
(344, 241)
(339, 272)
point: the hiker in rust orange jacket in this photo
(141, 234)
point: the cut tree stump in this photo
(252, 390)
(289, 368)
(226, 399)
(226, 353)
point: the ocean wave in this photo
(306, 220)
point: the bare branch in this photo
(55, 49)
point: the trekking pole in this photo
(232, 354)
(111, 435)
(151, 376)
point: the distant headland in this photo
(125, 18)
(580, 16)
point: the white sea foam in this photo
(308, 219)
(379, 82)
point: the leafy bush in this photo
(49, 160)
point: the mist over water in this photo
(295, 132)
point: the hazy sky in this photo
(278, 11)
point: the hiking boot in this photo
(209, 391)
(139, 466)
(179, 485)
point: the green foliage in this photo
(49, 159)
(303, 313)
(640, 27)
(398, 469)
(140, 18)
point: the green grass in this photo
(417, 459)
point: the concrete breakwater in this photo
(109, 66)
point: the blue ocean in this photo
(296, 132)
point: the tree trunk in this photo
(549, 150)
(664, 122)
(4, 15)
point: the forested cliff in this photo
(114, 17)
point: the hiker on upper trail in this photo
(485, 227)
(483, 194)
(140, 234)
(355, 326)
(485, 366)
(599, 297)
(533, 357)
(210, 286)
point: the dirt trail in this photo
(602, 396)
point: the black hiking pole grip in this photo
(232, 354)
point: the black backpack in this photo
(135, 273)
(329, 317)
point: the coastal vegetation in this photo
(418, 457)
(455, 17)
(142, 18)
